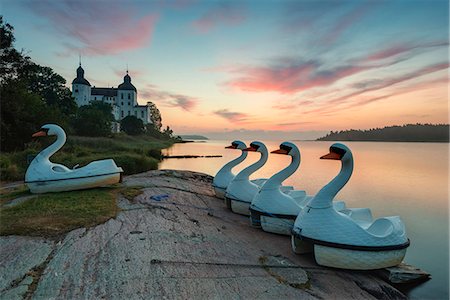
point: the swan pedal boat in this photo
(341, 240)
(43, 176)
(224, 176)
(274, 211)
(241, 191)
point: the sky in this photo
(262, 69)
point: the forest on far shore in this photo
(404, 133)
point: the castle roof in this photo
(109, 92)
(80, 77)
(127, 85)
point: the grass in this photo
(53, 214)
(7, 195)
(131, 192)
(134, 154)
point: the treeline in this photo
(33, 95)
(405, 133)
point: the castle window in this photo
(121, 96)
(129, 103)
(76, 91)
(122, 103)
(129, 96)
(142, 114)
(122, 113)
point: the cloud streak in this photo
(235, 117)
(168, 99)
(96, 28)
(224, 13)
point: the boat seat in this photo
(60, 168)
(381, 227)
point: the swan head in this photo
(256, 147)
(237, 145)
(49, 129)
(338, 151)
(287, 148)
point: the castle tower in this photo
(126, 96)
(81, 88)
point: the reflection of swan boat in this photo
(274, 210)
(241, 191)
(43, 176)
(349, 240)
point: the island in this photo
(404, 133)
(193, 137)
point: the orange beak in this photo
(230, 147)
(280, 151)
(250, 149)
(39, 133)
(331, 155)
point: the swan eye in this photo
(337, 150)
(285, 147)
(44, 129)
(235, 145)
(256, 147)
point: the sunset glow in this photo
(302, 68)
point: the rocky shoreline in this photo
(175, 241)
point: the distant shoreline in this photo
(409, 133)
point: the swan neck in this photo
(53, 148)
(277, 179)
(245, 174)
(325, 196)
(231, 164)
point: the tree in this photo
(94, 119)
(155, 116)
(132, 125)
(24, 108)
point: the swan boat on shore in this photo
(275, 211)
(43, 176)
(348, 240)
(241, 191)
(224, 176)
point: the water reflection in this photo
(405, 179)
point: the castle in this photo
(123, 99)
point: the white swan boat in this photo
(224, 176)
(275, 211)
(348, 240)
(241, 191)
(43, 176)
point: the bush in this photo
(132, 125)
(135, 163)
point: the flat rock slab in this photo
(177, 241)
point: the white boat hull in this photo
(51, 186)
(240, 207)
(348, 258)
(220, 192)
(277, 225)
(357, 259)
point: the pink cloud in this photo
(168, 99)
(96, 27)
(401, 49)
(224, 13)
(235, 117)
(290, 78)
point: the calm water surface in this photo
(405, 179)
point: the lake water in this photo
(405, 179)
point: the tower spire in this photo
(127, 68)
(79, 58)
